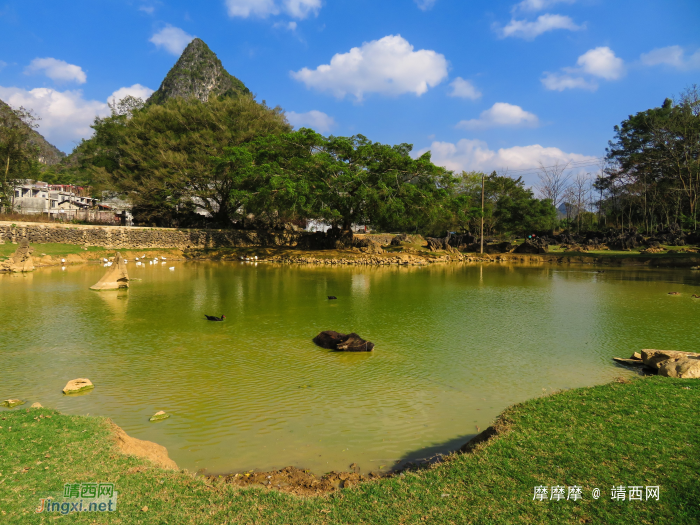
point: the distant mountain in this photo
(199, 73)
(48, 153)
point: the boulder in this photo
(400, 239)
(37, 405)
(654, 358)
(435, 244)
(501, 247)
(11, 403)
(405, 238)
(78, 385)
(341, 342)
(367, 245)
(115, 278)
(21, 260)
(159, 416)
(532, 247)
(682, 367)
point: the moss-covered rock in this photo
(159, 416)
(11, 403)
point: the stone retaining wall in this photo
(115, 237)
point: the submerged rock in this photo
(630, 362)
(11, 403)
(159, 416)
(341, 342)
(78, 385)
(115, 278)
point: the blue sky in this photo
(483, 85)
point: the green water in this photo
(455, 345)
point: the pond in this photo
(455, 345)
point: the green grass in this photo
(615, 254)
(639, 433)
(61, 250)
(53, 249)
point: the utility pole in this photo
(482, 213)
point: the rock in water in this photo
(342, 342)
(160, 415)
(78, 385)
(21, 260)
(655, 358)
(115, 278)
(683, 367)
(11, 403)
(37, 405)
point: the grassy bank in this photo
(641, 433)
(51, 253)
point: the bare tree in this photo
(580, 189)
(553, 182)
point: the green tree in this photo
(515, 208)
(655, 163)
(18, 152)
(341, 180)
(163, 158)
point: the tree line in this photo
(232, 162)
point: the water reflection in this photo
(455, 344)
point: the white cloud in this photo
(464, 89)
(529, 30)
(291, 26)
(137, 90)
(301, 8)
(313, 119)
(538, 5)
(425, 5)
(149, 9)
(65, 115)
(602, 62)
(673, 56)
(475, 155)
(562, 81)
(501, 115)
(389, 66)
(173, 39)
(57, 70)
(263, 8)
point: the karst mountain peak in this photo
(197, 73)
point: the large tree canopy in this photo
(18, 151)
(341, 180)
(163, 157)
(654, 175)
